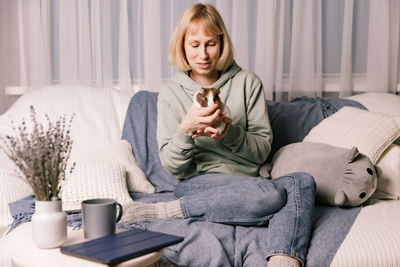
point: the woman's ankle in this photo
(283, 261)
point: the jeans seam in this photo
(183, 208)
(298, 212)
(237, 220)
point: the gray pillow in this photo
(343, 176)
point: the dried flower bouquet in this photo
(41, 155)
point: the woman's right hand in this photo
(200, 118)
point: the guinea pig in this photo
(206, 97)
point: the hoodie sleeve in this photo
(175, 148)
(252, 139)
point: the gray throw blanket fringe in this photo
(23, 209)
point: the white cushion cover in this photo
(373, 239)
(99, 113)
(379, 102)
(119, 152)
(94, 180)
(370, 132)
(389, 162)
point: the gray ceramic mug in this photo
(99, 217)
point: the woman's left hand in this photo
(212, 132)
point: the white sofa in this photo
(374, 239)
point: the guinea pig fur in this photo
(206, 97)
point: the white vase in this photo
(49, 224)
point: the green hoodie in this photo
(245, 146)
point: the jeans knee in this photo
(271, 201)
(306, 180)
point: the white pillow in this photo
(389, 162)
(370, 132)
(119, 152)
(99, 117)
(94, 180)
(379, 102)
(12, 188)
(99, 113)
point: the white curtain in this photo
(383, 40)
(297, 47)
(9, 53)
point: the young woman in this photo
(218, 172)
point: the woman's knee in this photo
(303, 179)
(306, 180)
(271, 200)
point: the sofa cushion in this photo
(99, 117)
(99, 113)
(389, 183)
(94, 180)
(291, 121)
(374, 135)
(379, 102)
(371, 132)
(119, 152)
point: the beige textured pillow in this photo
(94, 180)
(389, 183)
(120, 152)
(370, 132)
(379, 102)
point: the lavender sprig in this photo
(41, 155)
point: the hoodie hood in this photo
(183, 79)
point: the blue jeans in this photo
(286, 204)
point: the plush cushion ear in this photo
(340, 198)
(378, 171)
(353, 153)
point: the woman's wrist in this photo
(186, 130)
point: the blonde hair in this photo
(214, 25)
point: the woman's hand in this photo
(199, 121)
(212, 132)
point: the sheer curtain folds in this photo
(297, 47)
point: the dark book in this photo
(116, 248)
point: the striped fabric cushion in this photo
(371, 132)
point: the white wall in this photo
(9, 60)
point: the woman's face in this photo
(202, 53)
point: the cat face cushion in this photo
(343, 176)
